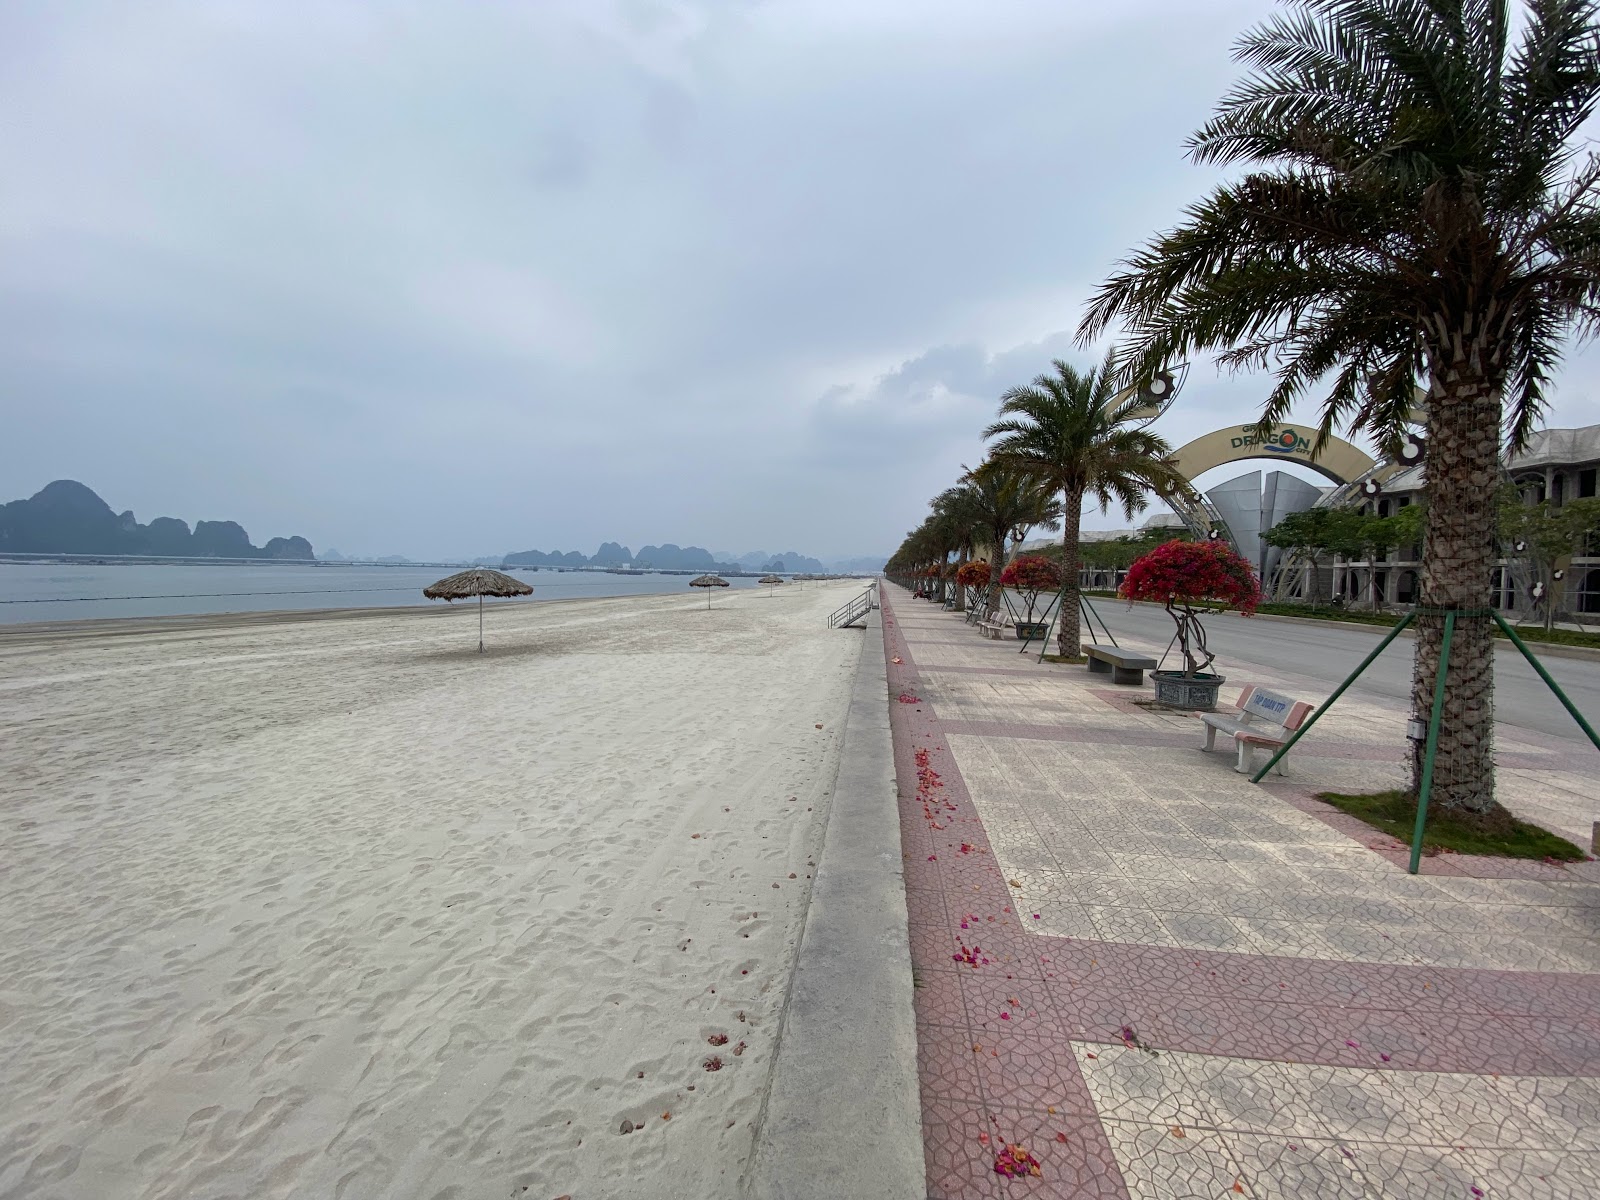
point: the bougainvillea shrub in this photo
(973, 574)
(1179, 575)
(1194, 573)
(1031, 575)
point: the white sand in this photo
(341, 909)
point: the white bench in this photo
(993, 628)
(1263, 719)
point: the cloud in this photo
(709, 271)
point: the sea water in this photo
(70, 592)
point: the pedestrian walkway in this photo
(1140, 975)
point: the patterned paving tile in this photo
(1240, 964)
(1174, 1160)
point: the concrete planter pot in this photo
(1027, 630)
(1197, 693)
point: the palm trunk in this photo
(1458, 560)
(1069, 640)
(997, 564)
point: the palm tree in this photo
(1071, 432)
(955, 512)
(1008, 503)
(1413, 211)
(918, 552)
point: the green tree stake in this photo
(1328, 703)
(1545, 675)
(1433, 742)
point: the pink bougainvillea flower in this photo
(1014, 1162)
(1191, 572)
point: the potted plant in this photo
(973, 576)
(1031, 576)
(1180, 575)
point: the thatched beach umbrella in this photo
(771, 581)
(479, 582)
(708, 581)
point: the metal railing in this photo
(856, 610)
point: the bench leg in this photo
(1211, 738)
(1243, 764)
(1133, 675)
(1099, 666)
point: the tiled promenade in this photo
(1160, 980)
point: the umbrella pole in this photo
(480, 622)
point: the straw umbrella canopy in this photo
(708, 582)
(479, 582)
(771, 581)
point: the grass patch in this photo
(1559, 637)
(1395, 813)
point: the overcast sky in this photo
(460, 278)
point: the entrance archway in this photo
(1338, 461)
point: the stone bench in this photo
(1263, 718)
(1124, 666)
(993, 629)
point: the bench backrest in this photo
(1273, 707)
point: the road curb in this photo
(844, 1113)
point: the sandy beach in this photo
(339, 908)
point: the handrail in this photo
(848, 614)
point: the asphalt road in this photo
(1328, 654)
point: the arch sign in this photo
(1339, 460)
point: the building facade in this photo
(1558, 465)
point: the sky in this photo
(459, 279)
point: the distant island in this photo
(65, 517)
(668, 557)
(68, 517)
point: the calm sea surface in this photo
(53, 592)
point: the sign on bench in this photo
(1263, 718)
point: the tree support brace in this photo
(1425, 785)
